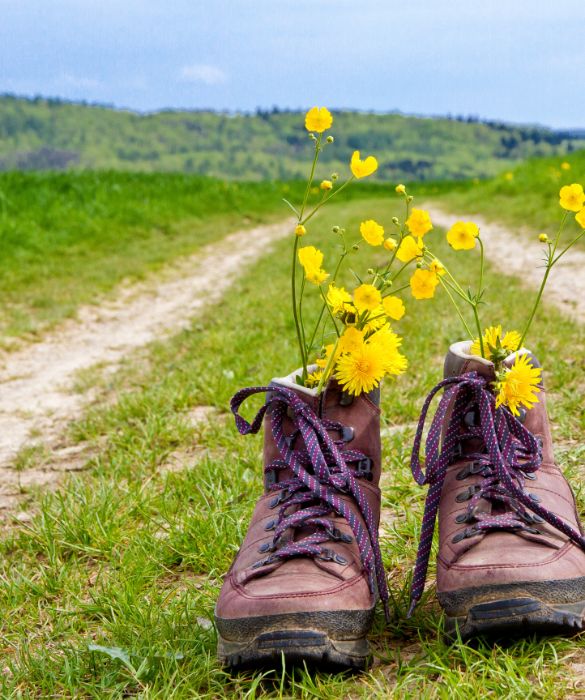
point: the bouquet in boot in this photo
(309, 573)
(511, 551)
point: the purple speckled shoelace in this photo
(510, 454)
(321, 477)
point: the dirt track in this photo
(36, 396)
(520, 254)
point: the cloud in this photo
(202, 73)
(76, 81)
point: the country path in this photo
(36, 397)
(520, 255)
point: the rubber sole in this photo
(333, 640)
(543, 608)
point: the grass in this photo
(529, 199)
(109, 590)
(68, 239)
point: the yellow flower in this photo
(326, 355)
(437, 267)
(518, 385)
(400, 189)
(509, 176)
(362, 168)
(394, 307)
(337, 298)
(300, 230)
(311, 259)
(565, 166)
(361, 370)
(388, 342)
(409, 249)
(372, 232)
(351, 340)
(493, 339)
(543, 238)
(423, 284)
(366, 297)
(318, 119)
(462, 235)
(326, 185)
(390, 244)
(375, 319)
(314, 378)
(572, 197)
(580, 218)
(419, 222)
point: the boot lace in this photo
(321, 477)
(509, 456)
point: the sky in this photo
(513, 60)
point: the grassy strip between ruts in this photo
(130, 555)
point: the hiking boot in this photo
(511, 548)
(306, 579)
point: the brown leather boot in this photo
(306, 579)
(511, 549)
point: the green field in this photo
(51, 134)
(129, 555)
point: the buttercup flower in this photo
(390, 244)
(337, 298)
(565, 166)
(423, 284)
(419, 222)
(366, 297)
(580, 218)
(375, 319)
(311, 259)
(493, 340)
(300, 230)
(362, 168)
(326, 185)
(361, 370)
(400, 189)
(509, 176)
(318, 119)
(351, 340)
(372, 232)
(409, 249)
(572, 197)
(394, 307)
(462, 235)
(543, 238)
(517, 386)
(437, 267)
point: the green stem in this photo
(479, 295)
(446, 288)
(294, 306)
(549, 265)
(325, 200)
(328, 367)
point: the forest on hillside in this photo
(52, 134)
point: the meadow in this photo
(108, 589)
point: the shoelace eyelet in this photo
(468, 532)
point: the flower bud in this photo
(334, 176)
(300, 230)
(330, 139)
(326, 185)
(400, 189)
(419, 263)
(543, 238)
(390, 244)
(395, 221)
(355, 246)
(335, 229)
(371, 271)
(312, 137)
(409, 198)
